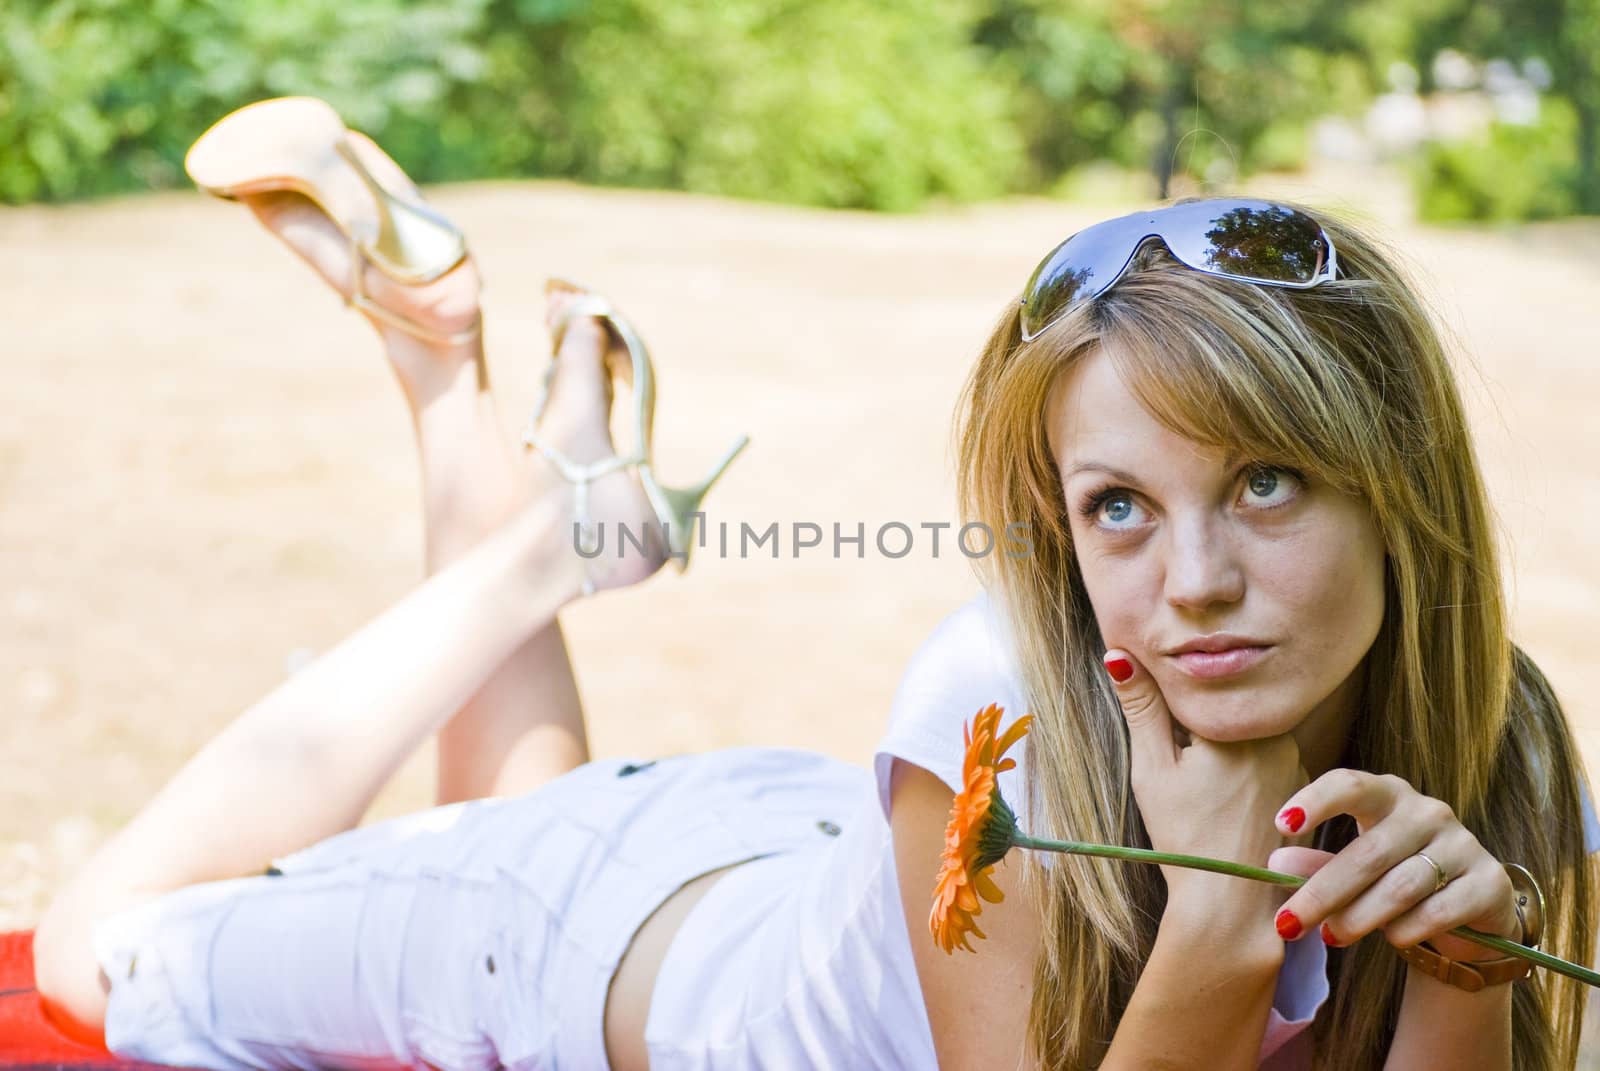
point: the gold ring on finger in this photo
(1440, 878)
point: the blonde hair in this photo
(1349, 382)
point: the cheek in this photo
(1334, 610)
(1125, 594)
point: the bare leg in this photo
(525, 725)
(305, 761)
(474, 654)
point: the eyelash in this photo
(1096, 499)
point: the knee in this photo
(72, 988)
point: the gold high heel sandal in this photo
(300, 144)
(674, 507)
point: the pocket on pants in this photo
(289, 967)
(449, 969)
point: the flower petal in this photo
(962, 884)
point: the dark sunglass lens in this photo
(1249, 240)
(1078, 268)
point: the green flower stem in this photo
(1256, 873)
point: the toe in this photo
(583, 341)
(554, 302)
(583, 337)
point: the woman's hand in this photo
(1207, 798)
(1379, 882)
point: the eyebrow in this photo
(1109, 470)
(1228, 462)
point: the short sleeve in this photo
(1591, 825)
(962, 667)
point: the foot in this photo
(446, 306)
(577, 422)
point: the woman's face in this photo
(1177, 543)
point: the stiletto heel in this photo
(674, 507)
(300, 145)
(414, 244)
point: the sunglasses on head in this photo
(1252, 241)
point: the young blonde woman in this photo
(1260, 532)
(1261, 620)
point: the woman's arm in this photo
(977, 1004)
(1442, 1026)
(1203, 998)
(1372, 885)
(1202, 1001)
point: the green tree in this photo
(1173, 83)
(104, 95)
(821, 101)
(1563, 34)
(1566, 35)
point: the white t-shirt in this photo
(803, 958)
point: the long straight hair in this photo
(1350, 382)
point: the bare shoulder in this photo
(977, 1004)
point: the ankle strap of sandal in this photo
(582, 474)
(357, 298)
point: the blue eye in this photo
(1268, 484)
(1111, 509)
(1264, 481)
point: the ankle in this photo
(430, 372)
(542, 533)
(442, 315)
(471, 481)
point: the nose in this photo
(1203, 566)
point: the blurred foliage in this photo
(1212, 88)
(832, 102)
(1566, 34)
(105, 95)
(1511, 172)
(824, 101)
(1563, 35)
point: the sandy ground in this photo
(206, 471)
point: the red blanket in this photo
(27, 1038)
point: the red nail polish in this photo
(1327, 936)
(1294, 818)
(1120, 669)
(1288, 925)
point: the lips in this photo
(1217, 642)
(1206, 666)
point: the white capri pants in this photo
(466, 937)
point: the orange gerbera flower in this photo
(979, 833)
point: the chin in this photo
(1236, 714)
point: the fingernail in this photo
(1120, 669)
(1327, 936)
(1288, 925)
(1294, 818)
